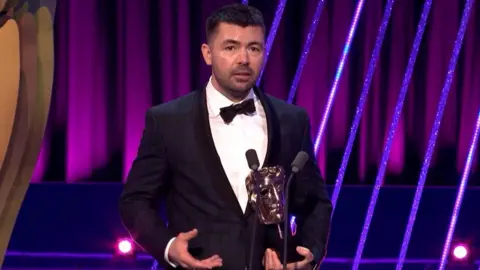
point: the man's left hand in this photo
(272, 262)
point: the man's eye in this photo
(229, 48)
(255, 49)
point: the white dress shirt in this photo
(233, 140)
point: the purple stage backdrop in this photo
(116, 58)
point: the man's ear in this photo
(207, 54)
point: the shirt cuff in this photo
(166, 253)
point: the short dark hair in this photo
(237, 14)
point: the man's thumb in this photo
(303, 251)
(190, 235)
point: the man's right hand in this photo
(178, 253)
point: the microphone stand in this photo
(252, 240)
(286, 219)
(253, 164)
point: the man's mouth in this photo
(241, 74)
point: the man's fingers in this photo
(212, 258)
(269, 260)
(188, 235)
(188, 261)
(206, 264)
(276, 264)
(272, 260)
(305, 252)
(293, 266)
(214, 261)
(308, 257)
(297, 265)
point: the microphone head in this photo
(252, 159)
(299, 161)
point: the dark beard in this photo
(234, 92)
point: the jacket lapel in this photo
(273, 130)
(212, 160)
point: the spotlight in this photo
(125, 248)
(461, 255)
(460, 252)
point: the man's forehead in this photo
(236, 32)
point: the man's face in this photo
(236, 56)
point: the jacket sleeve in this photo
(311, 200)
(146, 180)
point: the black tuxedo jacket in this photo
(177, 162)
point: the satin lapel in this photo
(206, 147)
(273, 130)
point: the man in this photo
(192, 155)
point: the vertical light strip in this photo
(460, 194)
(338, 75)
(391, 133)
(435, 129)
(411, 62)
(363, 98)
(473, 146)
(418, 37)
(271, 34)
(306, 50)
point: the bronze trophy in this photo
(265, 189)
(266, 193)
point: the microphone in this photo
(253, 164)
(252, 159)
(297, 166)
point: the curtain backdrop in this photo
(116, 58)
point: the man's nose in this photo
(243, 57)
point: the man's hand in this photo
(178, 253)
(272, 262)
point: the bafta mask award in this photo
(265, 189)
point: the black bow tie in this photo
(228, 113)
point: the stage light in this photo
(460, 252)
(460, 256)
(125, 247)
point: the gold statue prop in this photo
(26, 80)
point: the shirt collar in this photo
(216, 100)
